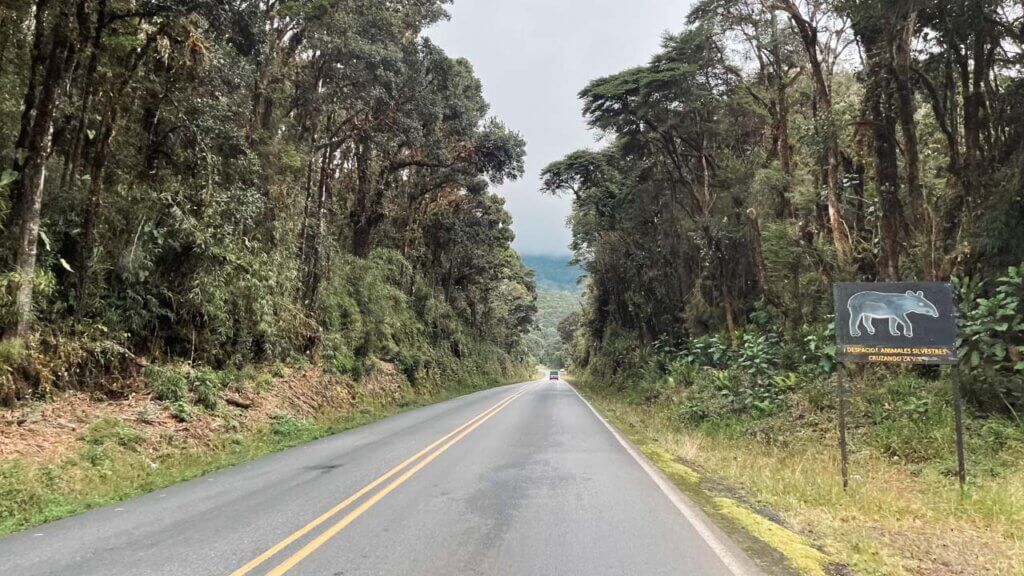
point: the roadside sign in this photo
(896, 322)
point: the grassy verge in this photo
(115, 460)
(895, 519)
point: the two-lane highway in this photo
(519, 480)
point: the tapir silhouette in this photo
(866, 306)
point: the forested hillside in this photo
(557, 313)
(225, 183)
(770, 149)
(554, 272)
(558, 302)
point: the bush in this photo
(104, 438)
(718, 395)
(181, 388)
(992, 341)
(285, 427)
(910, 419)
(758, 354)
(113, 432)
(206, 386)
(166, 384)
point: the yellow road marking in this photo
(351, 516)
(362, 491)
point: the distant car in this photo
(553, 375)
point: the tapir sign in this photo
(896, 308)
(896, 322)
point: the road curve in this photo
(519, 480)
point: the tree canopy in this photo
(773, 147)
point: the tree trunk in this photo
(784, 150)
(74, 155)
(359, 217)
(5, 41)
(316, 232)
(826, 131)
(730, 314)
(28, 105)
(907, 108)
(879, 112)
(97, 173)
(887, 180)
(369, 210)
(756, 248)
(33, 175)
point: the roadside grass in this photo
(895, 520)
(115, 461)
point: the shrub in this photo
(181, 388)
(911, 420)
(104, 438)
(285, 427)
(112, 432)
(206, 386)
(166, 384)
(991, 330)
(817, 350)
(758, 354)
(84, 356)
(718, 395)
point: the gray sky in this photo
(534, 56)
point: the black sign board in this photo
(896, 322)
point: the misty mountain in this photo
(554, 272)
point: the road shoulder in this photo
(749, 540)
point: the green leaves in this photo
(990, 326)
(7, 177)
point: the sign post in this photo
(895, 323)
(958, 414)
(843, 454)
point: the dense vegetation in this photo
(556, 320)
(558, 302)
(230, 182)
(773, 148)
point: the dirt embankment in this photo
(47, 430)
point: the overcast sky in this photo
(534, 56)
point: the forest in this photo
(774, 148)
(224, 183)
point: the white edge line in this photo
(736, 566)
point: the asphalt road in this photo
(520, 480)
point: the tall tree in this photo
(822, 48)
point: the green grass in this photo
(112, 462)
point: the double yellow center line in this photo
(445, 442)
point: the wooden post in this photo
(961, 466)
(843, 454)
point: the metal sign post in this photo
(895, 323)
(958, 415)
(843, 455)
